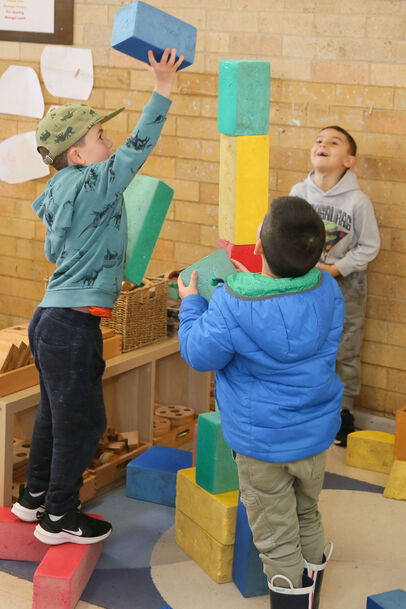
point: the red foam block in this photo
(17, 541)
(242, 253)
(194, 446)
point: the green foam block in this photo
(211, 268)
(216, 470)
(243, 97)
(147, 201)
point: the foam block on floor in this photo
(396, 484)
(372, 450)
(242, 253)
(147, 202)
(214, 558)
(152, 475)
(194, 446)
(393, 599)
(243, 97)
(216, 514)
(139, 27)
(216, 470)
(248, 574)
(400, 434)
(210, 268)
(17, 541)
(243, 187)
(63, 574)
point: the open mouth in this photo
(321, 153)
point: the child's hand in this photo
(164, 71)
(239, 266)
(191, 288)
(330, 268)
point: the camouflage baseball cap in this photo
(63, 127)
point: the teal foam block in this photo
(248, 574)
(152, 475)
(139, 27)
(216, 470)
(211, 268)
(393, 599)
(243, 97)
(147, 202)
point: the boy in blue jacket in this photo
(83, 210)
(272, 339)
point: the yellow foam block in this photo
(396, 486)
(216, 514)
(243, 186)
(373, 450)
(215, 558)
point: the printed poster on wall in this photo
(27, 15)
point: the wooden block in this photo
(160, 426)
(396, 485)
(106, 474)
(214, 266)
(242, 253)
(243, 187)
(177, 414)
(372, 450)
(393, 599)
(63, 574)
(9, 362)
(216, 470)
(17, 541)
(243, 97)
(88, 489)
(132, 438)
(139, 27)
(147, 202)
(117, 447)
(112, 346)
(216, 514)
(106, 332)
(214, 558)
(176, 437)
(15, 380)
(400, 434)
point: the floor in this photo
(143, 568)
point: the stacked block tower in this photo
(243, 123)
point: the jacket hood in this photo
(348, 183)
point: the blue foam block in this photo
(152, 475)
(248, 574)
(393, 599)
(139, 27)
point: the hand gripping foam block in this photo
(214, 266)
(393, 599)
(396, 485)
(17, 541)
(242, 253)
(152, 475)
(147, 202)
(373, 450)
(139, 27)
(400, 434)
(215, 514)
(243, 97)
(216, 470)
(243, 187)
(248, 574)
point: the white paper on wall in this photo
(20, 92)
(19, 159)
(67, 71)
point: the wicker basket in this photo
(139, 315)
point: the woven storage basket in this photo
(139, 315)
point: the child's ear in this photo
(74, 156)
(258, 249)
(349, 161)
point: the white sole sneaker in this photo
(26, 514)
(55, 539)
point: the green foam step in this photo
(147, 202)
(211, 268)
(216, 470)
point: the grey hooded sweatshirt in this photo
(354, 240)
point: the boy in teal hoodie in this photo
(83, 210)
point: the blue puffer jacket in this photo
(273, 344)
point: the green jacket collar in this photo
(257, 286)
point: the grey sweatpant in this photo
(354, 289)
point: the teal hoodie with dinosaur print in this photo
(83, 210)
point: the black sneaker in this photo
(73, 527)
(27, 507)
(347, 426)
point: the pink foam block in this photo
(63, 574)
(17, 541)
(242, 253)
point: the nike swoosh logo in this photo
(78, 532)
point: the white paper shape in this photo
(19, 159)
(20, 92)
(27, 15)
(67, 71)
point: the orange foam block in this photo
(17, 541)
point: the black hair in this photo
(292, 236)
(351, 142)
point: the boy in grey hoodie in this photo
(84, 214)
(352, 242)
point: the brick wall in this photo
(331, 62)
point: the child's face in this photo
(330, 152)
(96, 146)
